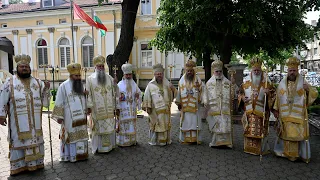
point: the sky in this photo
(312, 15)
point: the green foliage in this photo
(15, 1)
(50, 106)
(223, 27)
(234, 58)
(269, 61)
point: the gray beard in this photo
(256, 79)
(77, 86)
(101, 75)
(292, 78)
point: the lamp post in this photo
(53, 70)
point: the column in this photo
(134, 52)
(29, 32)
(75, 29)
(51, 31)
(15, 41)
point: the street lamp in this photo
(53, 70)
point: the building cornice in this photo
(57, 26)
(56, 12)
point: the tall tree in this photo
(203, 27)
(15, 1)
(123, 49)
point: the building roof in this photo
(36, 6)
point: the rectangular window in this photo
(146, 55)
(315, 50)
(40, 22)
(64, 56)
(42, 56)
(47, 3)
(4, 25)
(62, 21)
(145, 7)
(87, 55)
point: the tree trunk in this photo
(207, 64)
(226, 52)
(122, 52)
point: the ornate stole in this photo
(128, 103)
(190, 95)
(102, 98)
(27, 106)
(75, 105)
(292, 110)
(256, 95)
(219, 101)
(291, 100)
(160, 97)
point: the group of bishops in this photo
(106, 111)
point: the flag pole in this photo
(72, 15)
(92, 16)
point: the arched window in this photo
(42, 52)
(87, 51)
(64, 51)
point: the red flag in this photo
(80, 14)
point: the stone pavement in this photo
(175, 161)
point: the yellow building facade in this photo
(44, 32)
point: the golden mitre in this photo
(99, 60)
(293, 62)
(217, 64)
(190, 64)
(126, 68)
(74, 69)
(22, 59)
(255, 62)
(158, 68)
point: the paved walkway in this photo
(175, 161)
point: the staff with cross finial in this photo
(44, 66)
(305, 102)
(85, 70)
(264, 113)
(116, 123)
(198, 84)
(170, 66)
(232, 93)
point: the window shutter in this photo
(85, 56)
(62, 57)
(91, 56)
(68, 54)
(45, 55)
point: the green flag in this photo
(98, 21)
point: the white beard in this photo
(128, 86)
(256, 79)
(218, 77)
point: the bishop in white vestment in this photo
(188, 100)
(294, 95)
(130, 102)
(157, 101)
(69, 111)
(101, 103)
(216, 98)
(21, 99)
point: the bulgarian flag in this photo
(99, 23)
(80, 14)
